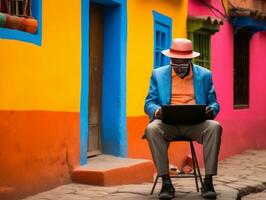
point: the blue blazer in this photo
(161, 86)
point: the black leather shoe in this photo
(167, 192)
(208, 191)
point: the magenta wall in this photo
(242, 128)
(195, 7)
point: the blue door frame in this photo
(114, 136)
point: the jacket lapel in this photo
(197, 79)
(165, 84)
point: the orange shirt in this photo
(182, 89)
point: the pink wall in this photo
(195, 7)
(242, 128)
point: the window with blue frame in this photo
(162, 38)
(21, 20)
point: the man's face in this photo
(180, 66)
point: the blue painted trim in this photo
(162, 19)
(252, 24)
(84, 124)
(165, 21)
(114, 135)
(24, 36)
(108, 2)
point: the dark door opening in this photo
(95, 78)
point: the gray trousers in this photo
(207, 133)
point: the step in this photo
(107, 170)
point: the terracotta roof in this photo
(206, 18)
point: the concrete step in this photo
(107, 170)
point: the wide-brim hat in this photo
(181, 48)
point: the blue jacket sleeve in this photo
(152, 99)
(211, 96)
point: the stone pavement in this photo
(239, 176)
(256, 196)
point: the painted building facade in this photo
(53, 110)
(243, 125)
(77, 87)
(40, 101)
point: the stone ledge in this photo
(105, 170)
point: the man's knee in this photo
(215, 127)
(151, 129)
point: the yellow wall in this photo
(140, 44)
(46, 77)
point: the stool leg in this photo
(155, 182)
(194, 164)
(197, 166)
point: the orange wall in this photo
(139, 148)
(38, 149)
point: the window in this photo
(16, 7)
(241, 68)
(21, 20)
(162, 38)
(201, 43)
(200, 29)
(244, 28)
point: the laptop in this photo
(183, 114)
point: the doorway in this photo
(105, 131)
(95, 78)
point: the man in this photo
(182, 82)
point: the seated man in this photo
(182, 82)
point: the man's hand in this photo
(209, 113)
(158, 113)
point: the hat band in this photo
(181, 52)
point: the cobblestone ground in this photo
(256, 196)
(239, 176)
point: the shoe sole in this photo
(166, 197)
(209, 195)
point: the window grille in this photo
(16, 7)
(241, 68)
(201, 44)
(200, 29)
